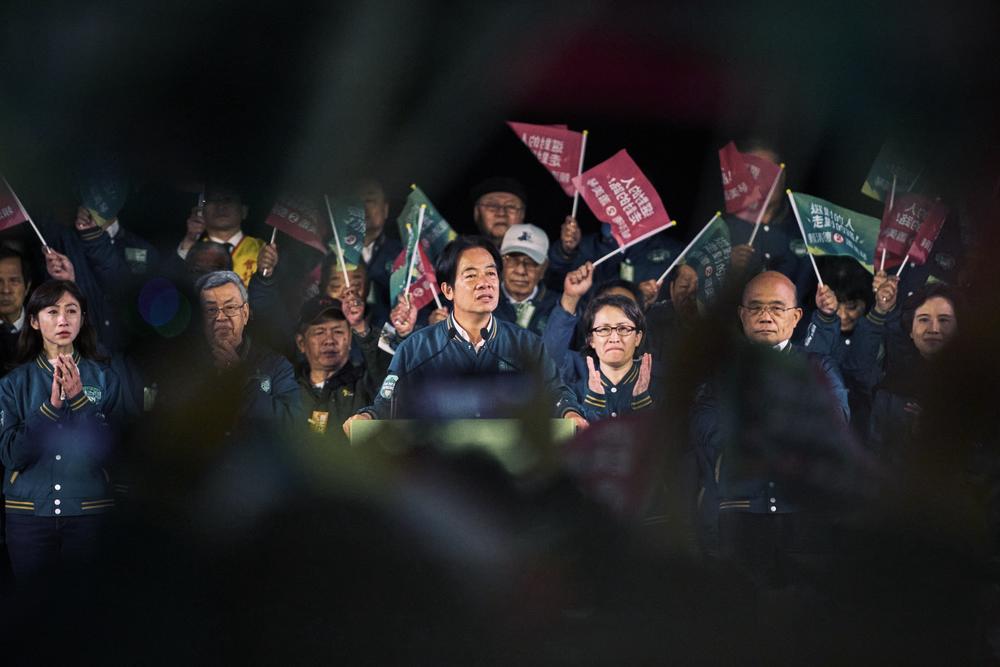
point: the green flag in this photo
(891, 164)
(436, 231)
(708, 255)
(829, 229)
(349, 218)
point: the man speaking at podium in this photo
(470, 341)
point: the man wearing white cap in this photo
(526, 300)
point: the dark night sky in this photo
(308, 95)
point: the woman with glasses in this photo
(616, 381)
(55, 437)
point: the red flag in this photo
(923, 242)
(299, 218)
(11, 213)
(556, 147)
(619, 194)
(746, 180)
(900, 225)
(422, 288)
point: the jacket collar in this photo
(44, 364)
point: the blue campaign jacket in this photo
(859, 356)
(56, 460)
(724, 487)
(438, 351)
(617, 399)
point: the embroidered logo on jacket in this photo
(388, 386)
(92, 393)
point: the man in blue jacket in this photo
(471, 340)
(779, 417)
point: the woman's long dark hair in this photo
(29, 345)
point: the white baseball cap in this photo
(527, 239)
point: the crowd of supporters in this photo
(753, 425)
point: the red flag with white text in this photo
(556, 147)
(299, 218)
(899, 227)
(746, 180)
(619, 194)
(11, 213)
(923, 242)
(423, 282)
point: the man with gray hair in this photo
(269, 390)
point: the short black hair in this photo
(7, 252)
(499, 184)
(921, 296)
(447, 264)
(631, 309)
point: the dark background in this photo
(310, 95)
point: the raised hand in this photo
(826, 300)
(59, 265)
(72, 385)
(594, 383)
(886, 293)
(404, 316)
(354, 310)
(267, 259)
(195, 227)
(645, 373)
(84, 221)
(576, 283)
(741, 256)
(56, 395)
(570, 235)
(224, 353)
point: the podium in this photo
(516, 443)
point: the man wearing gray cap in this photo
(526, 301)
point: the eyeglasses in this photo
(523, 262)
(605, 331)
(509, 209)
(773, 311)
(230, 310)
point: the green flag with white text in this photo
(709, 257)
(349, 217)
(436, 232)
(829, 229)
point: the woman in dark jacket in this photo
(55, 436)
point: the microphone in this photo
(452, 335)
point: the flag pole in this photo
(579, 172)
(336, 238)
(903, 265)
(802, 229)
(892, 203)
(434, 291)
(767, 201)
(663, 276)
(416, 252)
(631, 243)
(274, 235)
(27, 217)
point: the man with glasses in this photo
(219, 217)
(499, 205)
(526, 301)
(758, 431)
(269, 393)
